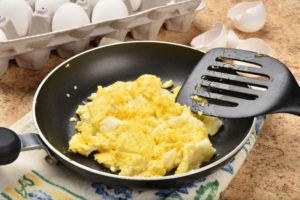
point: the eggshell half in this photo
(232, 39)
(248, 16)
(215, 37)
(256, 45)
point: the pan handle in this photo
(12, 144)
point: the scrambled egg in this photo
(136, 129)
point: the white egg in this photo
(248, 16)
(232, 39)
(3, 61)
(108, 9)
(19, 12)
(51, 5)
(215, 37)
(135, 4)
(69, 15)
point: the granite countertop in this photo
(272, 169)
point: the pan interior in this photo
(71, 83)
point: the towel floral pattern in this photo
(35, 185)
(112, 193)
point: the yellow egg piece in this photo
(136, 128)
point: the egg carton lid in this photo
(50, 40)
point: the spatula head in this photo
(236, 83)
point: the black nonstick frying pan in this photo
(60, 93)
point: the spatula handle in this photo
(293, 106)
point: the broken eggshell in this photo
(19, 12)
(213, 38)
(250, 44)
(256, 45)
(3, 61)
(248, 16)
(68, 16)
(232, 39)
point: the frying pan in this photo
(68, 85)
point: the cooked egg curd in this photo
(136, 128)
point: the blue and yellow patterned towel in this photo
(31, 177)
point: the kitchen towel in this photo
(31, 177)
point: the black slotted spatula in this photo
(236, 83)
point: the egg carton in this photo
(33, 50)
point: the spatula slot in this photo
(239, 70)
(230, 93)
(215, 102)
(233, 61)
(222, 69)
(245, 68)
(234, 82)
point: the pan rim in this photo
(115, 176)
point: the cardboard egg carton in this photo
(33, 50)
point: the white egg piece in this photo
(51, 5)
(232, 39)
(256, 45)
(19, 12)
(135, 4)
(3, 61)
(108, 9)
(248, 16)
(213, 38)
(68, 16)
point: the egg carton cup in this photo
(32, 51)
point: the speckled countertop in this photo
(272, 170)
